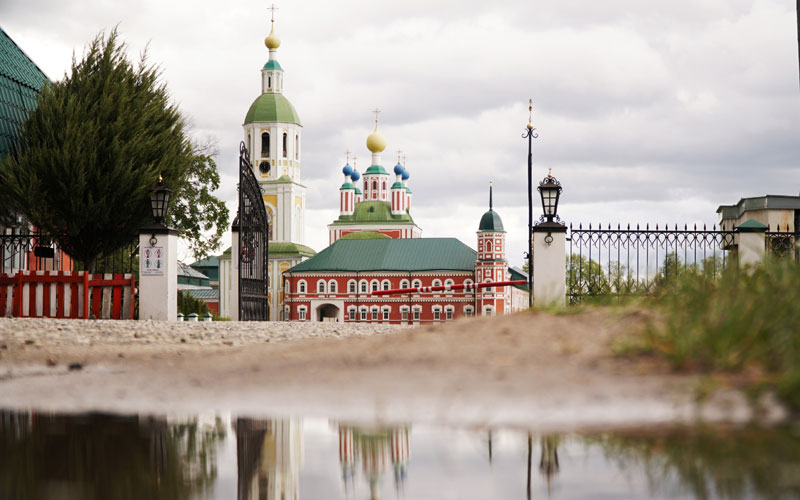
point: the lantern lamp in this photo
(159, 200)
(550, 190)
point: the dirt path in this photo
(534, 370)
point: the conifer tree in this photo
(93, 149)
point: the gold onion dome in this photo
(272, 41)
(376, 142)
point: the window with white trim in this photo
(449, 283)
(417, 313)
(364, 287)
(332, 286)
(351, 314)
(404, 284)
(416, 284)
(448, 312)
(375, 286)
(351, 286)
(488, 311)
(321, 286)
(386, 284)
(386, 311)
(364, 314)
(468, 311)
(404, 314)
(437, 283)
(301, 313)
(301, 287)
(374, 314)
(437, 313)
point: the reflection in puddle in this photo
(100, 456)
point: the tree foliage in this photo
(94, 147)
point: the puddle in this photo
(103, 456)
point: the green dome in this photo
(376, 169)
(272, 64)
(347, 185)
(491, 222)
(398, 185)
(272, 108)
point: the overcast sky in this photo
(655, 111)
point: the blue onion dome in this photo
(406, 175)
(347, 170)
(355, 176)
(399, 169)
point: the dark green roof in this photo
(376, 169)
(363, 235)
(271, 107)
(202, 293)
(20, 83)
(273, 64)
(347, 185)
(281, 249)
(372, 212)
(398, 185)
(516, 274)
(211, 261)
(491, 222)
(751, 225)
(415, 255)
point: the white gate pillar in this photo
(752, 247)
(549, 264)
(158, 273)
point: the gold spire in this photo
(530, 114)
(272, 41)
(376, 142)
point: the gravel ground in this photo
(63, 332)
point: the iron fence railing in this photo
(783, 243)
(624, 261)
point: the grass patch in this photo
(744, 322)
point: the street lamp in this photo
(550, 191)
(530, 134)
(159, 199)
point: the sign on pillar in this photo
(158, 273)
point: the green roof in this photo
(273, 64)
(417, 254)
(371, 212)
(347, 185)
(272, 108)
(398, 185)
(281, 248)
(364, 235)
(20, 83)
(491, 222)
(751, 225)
(376, 169)
(202, 293)
(516, 274)
(284, 179)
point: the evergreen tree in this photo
(93, 149)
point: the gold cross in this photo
(399, 155)
(347, 154)
(273, 9)
(355, 161)
(377, 112)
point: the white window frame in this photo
(416, 284)
(363, 314)
(404, 313)
(404, 284)
(352, 313)
(437, 313)
(320, 286)
(386, 313)
(374, 286)
(301, 286)
(332, 288)
(449, 312)
(386, 285)
(469, 311)
(436, 282)
(302, 313)
(374, 313)
(352, 286)
(364, 286)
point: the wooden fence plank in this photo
(117, 299)
(60, 297)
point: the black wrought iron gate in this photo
(253, 245)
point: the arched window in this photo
(320, 286)
(249, 142)
(437, 313)
(448, 312)
(297, 147)
(374, 185)
(301, 287)
(265, 144)
(375, 286)
(449, 283)
(488, 246)
(269, 82)
(437, 282)
(404, 284)
(351, 286)
(385, 285)
(351, 313)
(416, 284)
(384, 185)
(332, 287)
(284, 145)
(364, 287)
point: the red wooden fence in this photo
(65, 294)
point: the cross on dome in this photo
(273, 9)
(272, 41)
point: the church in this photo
(374, 242)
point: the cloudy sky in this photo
(654, 111)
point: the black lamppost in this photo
(530, 134)
(159, 201)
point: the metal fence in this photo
(39, 252)
(783, 243)
(630, 261)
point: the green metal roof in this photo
(207, 262)
(284, 179)
(273, 64)
(414, 255)
(202, 293)
(516, 274)
(372, 212)
(376, 169)
(398, 185)
(347, 185)
(286, 249)
(363, 235)
(272, 108)
(20, 83)
(491, 222)
(751, 225)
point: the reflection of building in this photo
(373, 450)
(269, 455)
